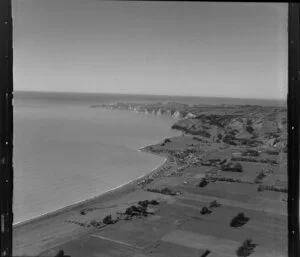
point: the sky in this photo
(160, 48)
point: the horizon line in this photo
(139, 94)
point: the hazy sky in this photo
(179, 48)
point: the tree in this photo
(246, 248)
(239, 220)
(60, 253)
(214, 204)
(108, 220)
(203, 182)
(205, 210)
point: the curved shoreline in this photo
(129, 185)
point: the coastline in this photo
(127, 186)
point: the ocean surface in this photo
(66, 152)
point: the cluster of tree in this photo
(272, 188)
(141, 209)
(234, 180)
(164, 191)
(246, 159)
(251, 152)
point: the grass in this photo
(239, 220)
(246, 249)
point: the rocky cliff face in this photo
(176, 110)
(235, 125)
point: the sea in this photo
(66, 152)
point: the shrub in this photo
(259, 177)
(272, 152)
(239, 220)
(95, 223)
(235, 167)
(167, 191)
(246, 249)
(229, 139)
(205, 210)
(197, 138)
(249, 129)
(203, 182)
(214, 204)
(83, 212)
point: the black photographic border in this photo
(6, 126)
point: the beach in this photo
(212, 172)
(71, 231)
(36, 235)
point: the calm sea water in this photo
(66, 152)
